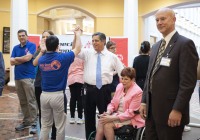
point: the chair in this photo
(127, 132)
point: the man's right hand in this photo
(143, 111)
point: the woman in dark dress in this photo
(141, 63)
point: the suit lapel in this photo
(156, 49)
(169, 47)
(171, 44)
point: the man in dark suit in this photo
(170, 82)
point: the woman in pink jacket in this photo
(120, 111)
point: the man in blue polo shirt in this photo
(21, 58)
(54, 69)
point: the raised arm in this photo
(42, 51)
(76, 46)
(35, 61)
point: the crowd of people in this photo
(158, 86)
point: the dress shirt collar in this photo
(103, 52)
(169, 36)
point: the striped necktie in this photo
(158, 59)
(98, 72)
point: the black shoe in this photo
(33, 129)
(22, 126)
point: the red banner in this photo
(122, 49)
(35, 39)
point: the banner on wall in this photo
(65, 43)
(122, 49)
(35, 39)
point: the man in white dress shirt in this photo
(101, 96)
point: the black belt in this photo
(94, 86)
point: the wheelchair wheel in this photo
(92, 135)
(140, 134)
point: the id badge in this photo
(165, 61)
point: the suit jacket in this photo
(172, 86)
(131, 103)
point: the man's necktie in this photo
(157, 63)
(98, 72)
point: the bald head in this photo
(166, 10)
(165, 21)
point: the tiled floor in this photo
(10, 117)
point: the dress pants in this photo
(162, 132)
(95, 97)
(38, 91)
(154, 131)
(53, 109)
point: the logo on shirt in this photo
(54, 65)
(26, 51)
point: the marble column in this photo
(131, 28)
(19, 20)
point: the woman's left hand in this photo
(107, 118)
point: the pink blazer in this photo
(132, 102)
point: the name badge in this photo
(165, 61)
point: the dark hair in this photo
(109, 44)
(145, 47)
(129, 72)
(48, 31)
(22, 30)
(102, 36)
(52, 43)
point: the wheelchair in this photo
(128, 133)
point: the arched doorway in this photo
(62, 19)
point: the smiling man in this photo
(98, 75)
(171, 79)
(21, 58)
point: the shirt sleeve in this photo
(32, 48)
(13, 53)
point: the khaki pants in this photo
(52, 108)
(26, 94)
